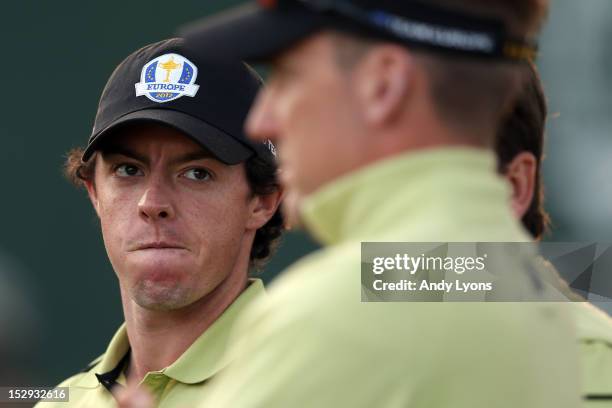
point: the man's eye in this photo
(128, 170)
(197, 174)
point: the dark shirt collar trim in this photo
(109, 379)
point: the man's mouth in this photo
(157, 245)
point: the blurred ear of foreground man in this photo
(519, 148)
(385, 114)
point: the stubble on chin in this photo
(156, 296)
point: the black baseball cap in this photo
(259, 30)
(166, 83)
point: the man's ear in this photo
(521, 173)
(263, 208)
(93, 195)
(383, 82)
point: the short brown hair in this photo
(475, 95)
(469, 94)
(523, 131)
(262, 179)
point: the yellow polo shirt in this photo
(594, 338)
(595, 345)
(312, 342)
(181, 384)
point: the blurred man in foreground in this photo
(186, 206)
(520, 148)
(385, 114)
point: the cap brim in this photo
(220, 144)
(250, 32)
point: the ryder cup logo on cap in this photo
(168, 77)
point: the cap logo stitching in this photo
(268, 143)
(167, 78)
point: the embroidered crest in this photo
(167, 78)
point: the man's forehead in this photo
(149, 139)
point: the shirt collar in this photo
(112, 360)
(207, 355)
(403, 188)
(203, 359)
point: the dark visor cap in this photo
(166, 84)
(251, 32)
(262, 29)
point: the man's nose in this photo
(261, 123)
(155, 204)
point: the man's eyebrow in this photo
(184, 158)
(191, 156)
(123, 151)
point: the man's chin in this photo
(161, 296)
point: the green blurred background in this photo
(59, 301)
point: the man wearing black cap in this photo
(385, 113)
(186, 206)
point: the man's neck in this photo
(158, 338)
